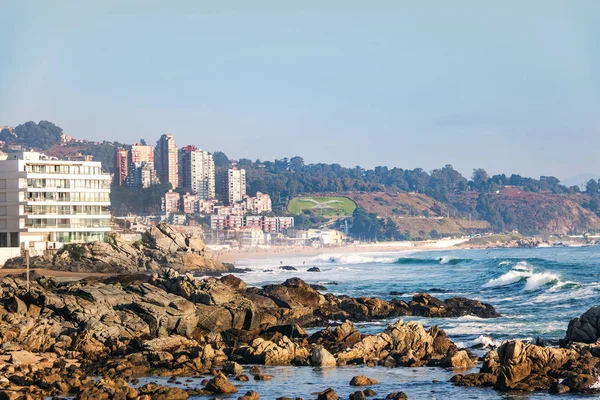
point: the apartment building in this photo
(165, 160)
(257, 204)
(142, 175)
(171, 202)
(45, 202)
(189, 203)
(197, 172)
(141, 153)
(121, 166)
(235, 185)
(266, 224)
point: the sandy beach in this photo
(233, 255)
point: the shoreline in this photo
(235, 255)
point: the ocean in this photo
(537, 291)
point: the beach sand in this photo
(233, 255)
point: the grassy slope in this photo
(340, 206)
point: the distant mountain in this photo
(580, 179)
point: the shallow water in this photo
(538, 291)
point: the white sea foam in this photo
(446, 260)
(484, 341)
(512, 276)
(522, 271)
(536, 281)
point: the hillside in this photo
(530, 213)
(418, 215)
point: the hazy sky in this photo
(512, 86)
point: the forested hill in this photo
(506, 202)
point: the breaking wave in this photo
(524, 272)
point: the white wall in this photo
(7, 253)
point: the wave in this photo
(440, 260)
(353, 259)
(484, 342)
(522, 271)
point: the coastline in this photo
(234, 255)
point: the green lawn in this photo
(326, 206)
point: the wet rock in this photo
(479, 379)
(220, 385)
(313, 269)
(320, 357)
(288, 268)
(396, 396)
(586, 328)
(359, 395)
(558, 388)
(251, 395)
(328, 394)
(369, 392)
(232, 368)
(262, 377)
(362, 380)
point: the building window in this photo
(14, 239)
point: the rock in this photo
(360, 395)
(261, 377)
(519, 360)
(408, 343)
(460, 359)
(255, 370)
(234, 282)
(232, 368)
(320, 357)
(362, 380)
(580, 382)
(157, 392)
(558, 388)
(313, 269)
(369, 393)
(251, 395)
(480, 379)
(278, 352)
(160, 247)
(220, 385)
(290, 330)
(586, 328)
(288, 268)
(397, 396)
(328, 394)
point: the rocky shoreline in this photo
(94, 339)
(58, 335)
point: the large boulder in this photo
(320, 357)
(280, 351)
(586, 328)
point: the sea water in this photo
(537, 291)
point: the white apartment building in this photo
(197, 172)
(236, 185)
(45, 203)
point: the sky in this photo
(510, 86)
